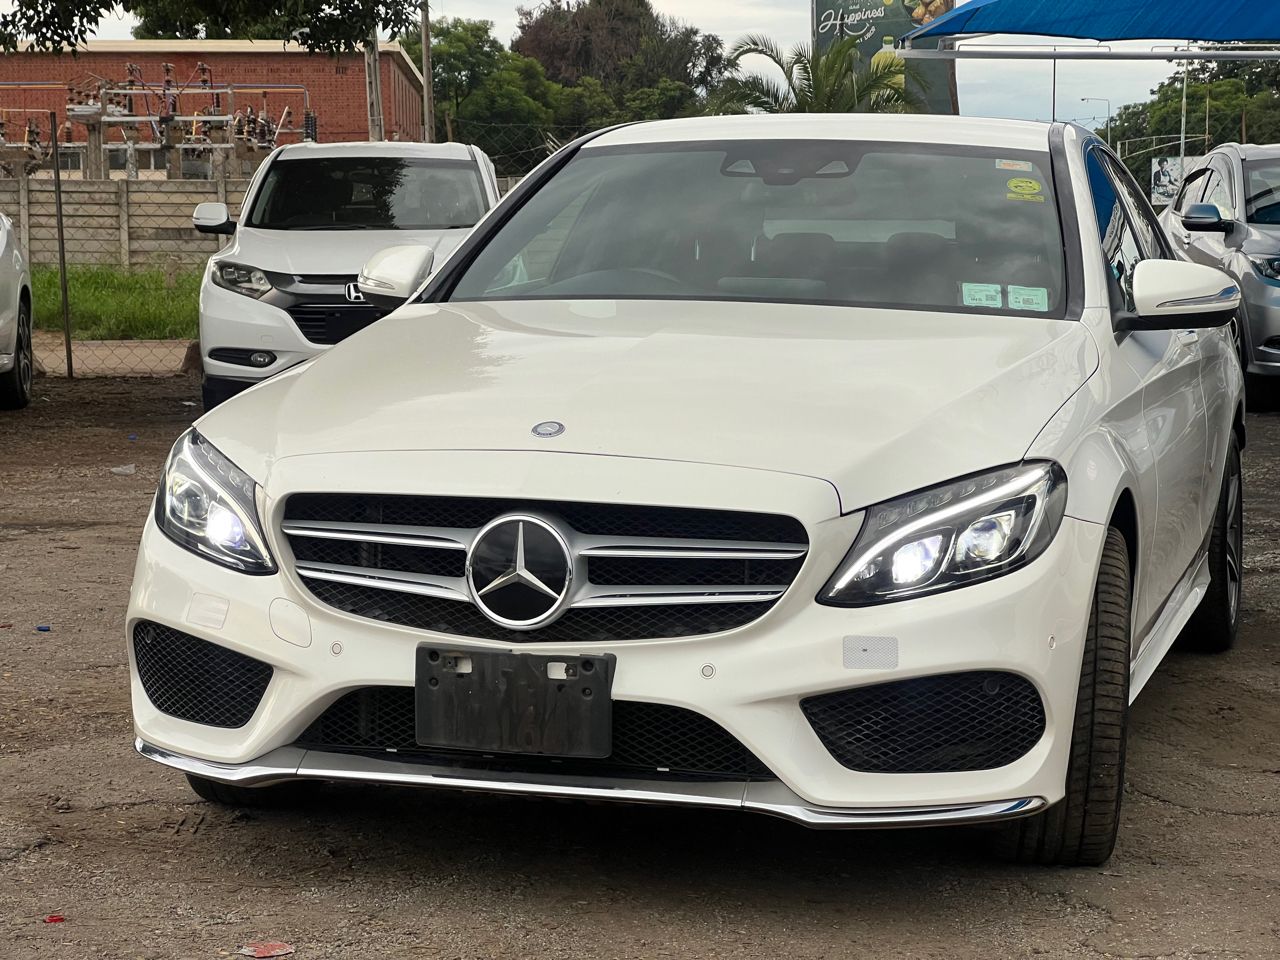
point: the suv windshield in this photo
(1262, 191)
(914, 226)
(368, 193)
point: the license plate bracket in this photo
(504, 702)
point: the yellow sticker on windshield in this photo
(1025, 185)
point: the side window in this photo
(1119, 246)
(1217, 193)
(1145, 226)
(1190, 192)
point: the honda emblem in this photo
(353, 293)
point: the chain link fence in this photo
(134, 262)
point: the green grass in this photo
(112, 303)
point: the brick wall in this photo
(335, 84)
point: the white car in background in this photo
(856, 470)
(284, 289)
(17, 358)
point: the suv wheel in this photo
(1214, 625)
(1081, 829)
(15, 385)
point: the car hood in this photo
(328, 251)
(877, 402)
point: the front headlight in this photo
(1269, 267)
(250, 281)
(948, 536)
(206, 504)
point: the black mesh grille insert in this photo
(954, 722)
(383, 556)
(650, 740)
(591, 624)
(332, 322)
(195, 680)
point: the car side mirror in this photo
(392, 275)
(1177, 295)
(213, 218)
(1206, 218)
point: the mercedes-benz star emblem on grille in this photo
(548, 428)
(519, 570)
(353, 293)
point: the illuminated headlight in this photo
(207, 504)
(250, 281)
(948, 536)
(1269, 267)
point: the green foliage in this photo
(834, 81)
(316, 24)
(109, 303)
(1231, 101)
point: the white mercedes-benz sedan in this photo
(855, 470)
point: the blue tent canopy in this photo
(1202, 20)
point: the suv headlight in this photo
(207, 504)
(951, 535)
(236, 277)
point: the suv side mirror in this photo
(1177, 295)
(392, 275)
(213, 218)
(1206, 218)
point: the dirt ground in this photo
(140, 868)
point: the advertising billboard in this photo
(1166, 177)
(877, 24)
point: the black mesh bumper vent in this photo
(650, 741)
(195, 680)
(954, 722)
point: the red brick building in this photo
(333, 86)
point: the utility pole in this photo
(373, 86)
(1207, 145)
(1108, 103)
(428, 94)
(1182, 148)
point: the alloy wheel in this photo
(25, 358)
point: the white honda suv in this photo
(854, 470)
(284, 288)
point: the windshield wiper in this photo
(331, 226)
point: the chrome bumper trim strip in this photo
(772, 798)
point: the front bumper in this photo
(1031, 623)
(1262, 321)
(774, 799)
(230, 319)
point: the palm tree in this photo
(831, 81)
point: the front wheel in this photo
(15, 384)
(1080, 830)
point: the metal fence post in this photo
(123, 187)
(24, 210)
(62, 240)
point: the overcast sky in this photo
(987, 88)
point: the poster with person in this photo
(878, 24)
(1166, 177)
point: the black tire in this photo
(1214, 625)
(231, 795)
(1081, 829)
(15, 384)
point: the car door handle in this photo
(1188, 337)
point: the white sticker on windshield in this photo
(982, 295)
(1014, 165)
(1028, 298)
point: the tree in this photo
(1142, 131)
(179, 20)
(624, 44)
(316, 24)
(834, 81)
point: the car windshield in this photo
(909, 226)
(1262, 191)
(368, 193)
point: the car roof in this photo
(389, 148)
(1252, 151)
(1011, 134)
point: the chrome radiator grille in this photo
(636, 572)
